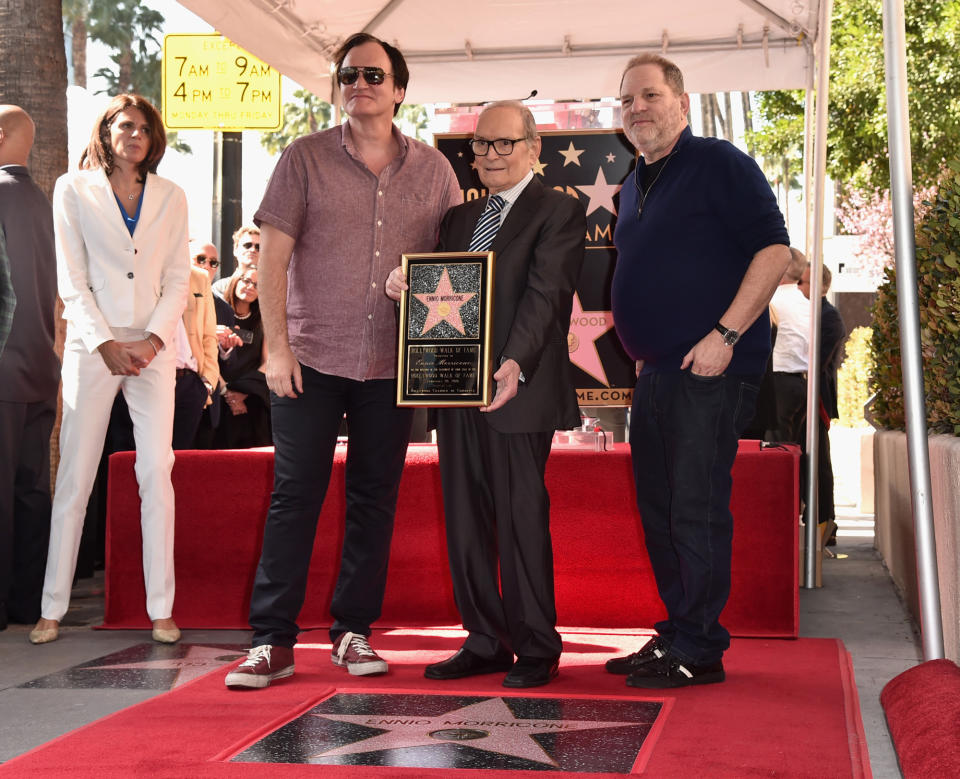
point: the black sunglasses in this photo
(372, 76)
(250, 245)
(204, 260)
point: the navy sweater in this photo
(681, 262)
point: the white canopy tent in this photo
(473, 52)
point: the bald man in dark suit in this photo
(492, 459)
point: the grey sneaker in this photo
(263, 664)
(351, 651)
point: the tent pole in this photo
(901, 189)
(815, 254)
(808, 115)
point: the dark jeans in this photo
(190, 396)
(684, 431)
(305, 435)
(24, 506)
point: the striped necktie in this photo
(487, 225)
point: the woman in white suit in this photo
(123, 270)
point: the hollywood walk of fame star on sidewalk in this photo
(488, 725)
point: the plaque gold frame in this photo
(420, 380)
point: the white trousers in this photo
(89, 390)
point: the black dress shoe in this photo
(466, 663)
(532, 672)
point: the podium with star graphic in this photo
(590, 165)
(445, 329)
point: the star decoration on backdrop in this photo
(444, 305)
(611, 157)
(571, 156)
(585, 328)
(489, 726)
(459, 153)
(600, 193)
(539, 166)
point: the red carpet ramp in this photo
(923, 715)
(787, 709)
(603, 576)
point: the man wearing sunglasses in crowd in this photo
(341, 207)
(246, 250)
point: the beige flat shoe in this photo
(44, 635)
(166, 635)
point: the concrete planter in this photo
(894, 523)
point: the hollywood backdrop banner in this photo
(590, 165)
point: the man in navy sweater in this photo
(702, 246)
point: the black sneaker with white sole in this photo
(668, 672)
(654, 649)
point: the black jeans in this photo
(684, 431)
(305, 435)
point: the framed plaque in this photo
(446, 327)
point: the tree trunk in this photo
(708, 115)
(33, 75)
(748, 122)
(728, 122)
(125, 75)
(78, 52)
(786, 189)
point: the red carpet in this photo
(787, 709)
(923, 715)
(603, 576)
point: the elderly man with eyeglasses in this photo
(493, 459)
(340, 208)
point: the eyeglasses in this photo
(201, 259)
(372, 76)
(250, 245)
(502, 146)
(247, 282)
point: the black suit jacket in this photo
(833, 334)
(539, 251)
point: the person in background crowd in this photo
(340, 208)
(29, 373)
(198, 367)
(833, 335)
(246, 249)
(790, 357)
(245, 421)
(701, 248)
(123, 273)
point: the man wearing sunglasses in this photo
(492, 459)
(198, 370)
(341, 207)
(246, 250)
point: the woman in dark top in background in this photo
(245, 418)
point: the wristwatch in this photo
(730, 337)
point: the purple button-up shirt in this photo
(350, 228)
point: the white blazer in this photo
(108, 278)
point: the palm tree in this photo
(131, 30)
(33, 75)
(75, 14)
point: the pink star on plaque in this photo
(585, 328)
(444, 305)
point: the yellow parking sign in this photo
(210, 83)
